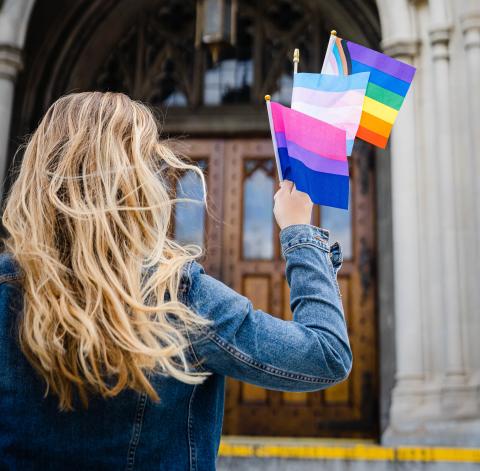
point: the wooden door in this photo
(250, 262)
(192, 223)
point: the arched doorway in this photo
(146, 49)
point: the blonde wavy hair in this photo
(88, 221)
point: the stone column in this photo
(10, 64)
(407, 394)
(470, 25)
(471, 35)
(455, 362)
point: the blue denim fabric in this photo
(182, 431)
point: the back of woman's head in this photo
(88, 222)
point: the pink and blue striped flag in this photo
(312, 154)
(337, 100)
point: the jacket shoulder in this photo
(191, 271)
(9, 268)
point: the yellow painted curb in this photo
(352, 453)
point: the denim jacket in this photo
(181, 431)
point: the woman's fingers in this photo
(286, 185)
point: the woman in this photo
(114, 342)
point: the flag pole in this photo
(333, 35)
(274, 139)
(296, 60)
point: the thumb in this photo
(286, 185)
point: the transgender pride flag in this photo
(310, 153)
(337, 100)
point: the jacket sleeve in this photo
(308, 353)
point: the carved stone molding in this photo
(470, 24)
(439, 40)
(401, 47)
(470, 20)
(10, 61)
(440, 34)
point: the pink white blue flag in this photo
(337, 100)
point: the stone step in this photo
(283, 464)
(285, 454)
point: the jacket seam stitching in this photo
(191, 441)
(188, 285)
(239, 355)
(137, 429)
(304, 244)
(333, 274)
(194, 354)
(312, 231)
(9, 277)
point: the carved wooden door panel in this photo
(250, 262)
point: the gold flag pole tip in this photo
(333, 32)
(267, 97)
(296, 60)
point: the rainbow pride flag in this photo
(387, 87)
(337, 100)
(310, 153)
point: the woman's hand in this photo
(291, 206)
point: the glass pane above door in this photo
(258, 221)
(190, 215)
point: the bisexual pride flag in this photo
(311, 153)
(388, 84)
(337, 100)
